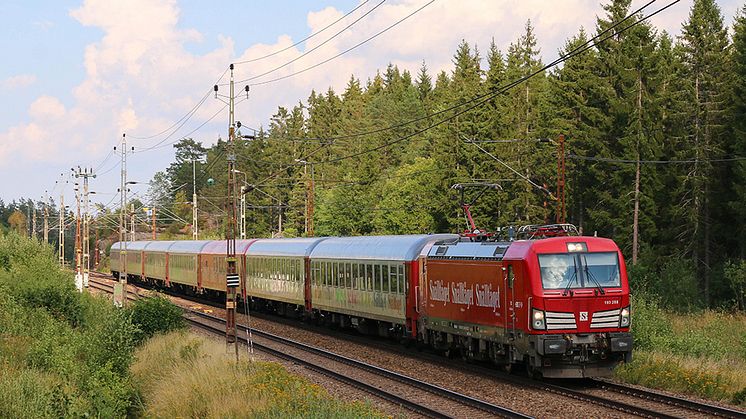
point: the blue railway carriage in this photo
(276, 270)
(358, 279)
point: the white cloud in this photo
(18, 82)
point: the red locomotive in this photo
(557, 303)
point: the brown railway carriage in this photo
(213, 266)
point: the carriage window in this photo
(355, 273)
(395, 280)
(385, 283)
(511, 276)
(377, 277)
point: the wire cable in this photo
(341, 53)
(317, 46)
(304, 39)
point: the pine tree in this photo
(703, 49)
(737, 147)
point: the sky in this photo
(77, 75)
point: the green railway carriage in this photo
(156, 260)
(129, 253)
(276, 269)
(183, 260)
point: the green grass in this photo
(189, 376)
(701, 353)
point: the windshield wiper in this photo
(572, 278)
(592, 277)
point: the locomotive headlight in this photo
(624, 318)
(537, 320)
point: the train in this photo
(551, 302)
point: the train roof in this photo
(218, 247)
(403, 248)
(300, 246)
(188, 246)
(159, 246)
(469, 250)
(136, 245)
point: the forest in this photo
(655, 152)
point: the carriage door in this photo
(509, 311)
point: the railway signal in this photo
(232, 279)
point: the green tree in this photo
(703, 50)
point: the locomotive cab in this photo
(578, 306)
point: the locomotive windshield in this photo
(579, 270)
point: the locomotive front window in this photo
(579, 270)
(603, 267)
(557, 271)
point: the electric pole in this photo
(153, 209)
(46, 217)
(61, 239)
(243, 212)
(33, 220)
(561, 211)
(120, 289)
(78, 249)
(85, 174)
(233, 278)
(132, 221)
(195, 226)
(309, 196)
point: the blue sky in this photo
(76, 74)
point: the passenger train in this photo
(556, 303)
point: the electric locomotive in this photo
(556, 303)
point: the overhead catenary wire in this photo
(317, 46)
(295, 73)
(272, 54)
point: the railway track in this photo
(626, 399)
(414, 395)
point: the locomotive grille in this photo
(603, 319)
(556, 320)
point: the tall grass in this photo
(701, 353)
(189, 376)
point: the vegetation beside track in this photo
(702, 353)
(65, 354)
(181, 374)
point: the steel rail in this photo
(695, 406)
(391, 375)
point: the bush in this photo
(62, 354)
(155, 314)
(650, 325)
